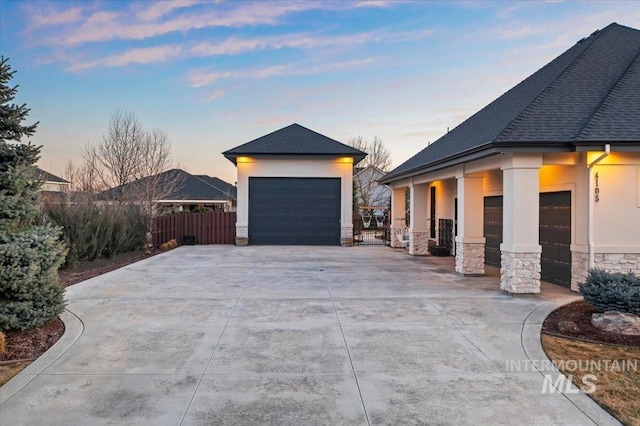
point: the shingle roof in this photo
(294, 140)
(188, 187)
(48, 177)
(223, 186)
(587, 94)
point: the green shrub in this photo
(91, 231)
(612, 291)
(29, 291)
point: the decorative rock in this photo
(617, 322)
(418, 243)
(520, 272)
(567, 326)
(470, 258)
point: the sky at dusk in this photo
(216, 74)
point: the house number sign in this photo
(596, 188)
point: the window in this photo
(432, 211)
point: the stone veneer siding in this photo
(346, 236)
(418, 243)
(520, 272)
(613, 262)
(395, 243)
(242, 235)
(579, 268)
(618, 262)
(470, 258)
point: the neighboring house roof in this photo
(188, 187)
(585, 96)
(48, 177)
(294, 140)
(374, 170)
(223, 186)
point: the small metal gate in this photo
(371, 226)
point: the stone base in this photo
(242, 241)
(346, 242)
(395, 242)
(579, 268)
(242, 231)
(618, 262)
(418, 243)
(346, 236)
(520, 272)
(470, 259)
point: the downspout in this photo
(592, 256)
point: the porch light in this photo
(243, 159)
(346, 160)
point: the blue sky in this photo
(217, 74)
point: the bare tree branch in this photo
(377, 162)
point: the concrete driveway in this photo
(212, 335)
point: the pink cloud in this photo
(201, 78)
(161, 8)
(147, 55)
(51, 17)
(236, 45)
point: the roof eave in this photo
(487, 150)
(233, 156)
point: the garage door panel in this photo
(297, 211)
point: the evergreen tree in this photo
(30, 255)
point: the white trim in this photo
(617, 249)
(521, 248)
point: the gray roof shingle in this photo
(187, 187)
(294, 140)
(587, 94)
(223, 186)
(45, 176)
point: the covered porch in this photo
(503, 210)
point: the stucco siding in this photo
(300, 168)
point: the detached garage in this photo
(294, 188)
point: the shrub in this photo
(612, 291)
(91, 231)
(29, 261)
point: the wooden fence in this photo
(207, 228)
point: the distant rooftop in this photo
(48, 177)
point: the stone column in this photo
(419, 226)
(579, 268)
(398, 212)
(470, 239)
(242, 235)
(520, 259)
(346, 236)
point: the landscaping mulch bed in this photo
(30, 344)
(85, 270)
(580, 314)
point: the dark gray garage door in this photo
(555, 237)
(296, 211)
(492, 230)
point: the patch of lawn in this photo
(618, 392)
